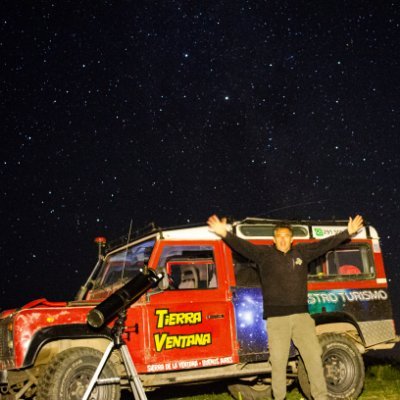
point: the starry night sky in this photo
(168, 111)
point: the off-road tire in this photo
(69, 373)
(343, 368)
(250, 391)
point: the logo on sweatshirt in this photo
(298, 262)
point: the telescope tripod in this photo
(118, 343)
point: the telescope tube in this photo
(122, 298)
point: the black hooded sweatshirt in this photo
(283, 276)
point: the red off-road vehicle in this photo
(203, 321)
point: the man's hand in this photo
(355, 224)
(217, 225)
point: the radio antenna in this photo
(126, 251)
(297, 205)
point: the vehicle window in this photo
(353, 262)
(246, 271)
(188, 267)
(267, 230)
(124, 265)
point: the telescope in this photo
(122, 298)
(107, 310)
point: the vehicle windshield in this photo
(121, 266)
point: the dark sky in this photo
(168, 111)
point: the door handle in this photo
(215, 316)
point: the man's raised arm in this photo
(218, 226)
(244, 247)
(355, 224)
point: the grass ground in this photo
(382, 382)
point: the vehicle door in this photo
(191, 321)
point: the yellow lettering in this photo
(161, 316)
(197, 318)
(160, 340)
(167, 342)
(165, 318)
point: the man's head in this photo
(283, 237)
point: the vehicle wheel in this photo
(343, 368)
(69, 373)
(250, 391)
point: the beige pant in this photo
(301, 329)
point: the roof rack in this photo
(143, 232)
(256, 220)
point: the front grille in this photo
(6, 338)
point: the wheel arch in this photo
(341, 323)
(51, 340)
